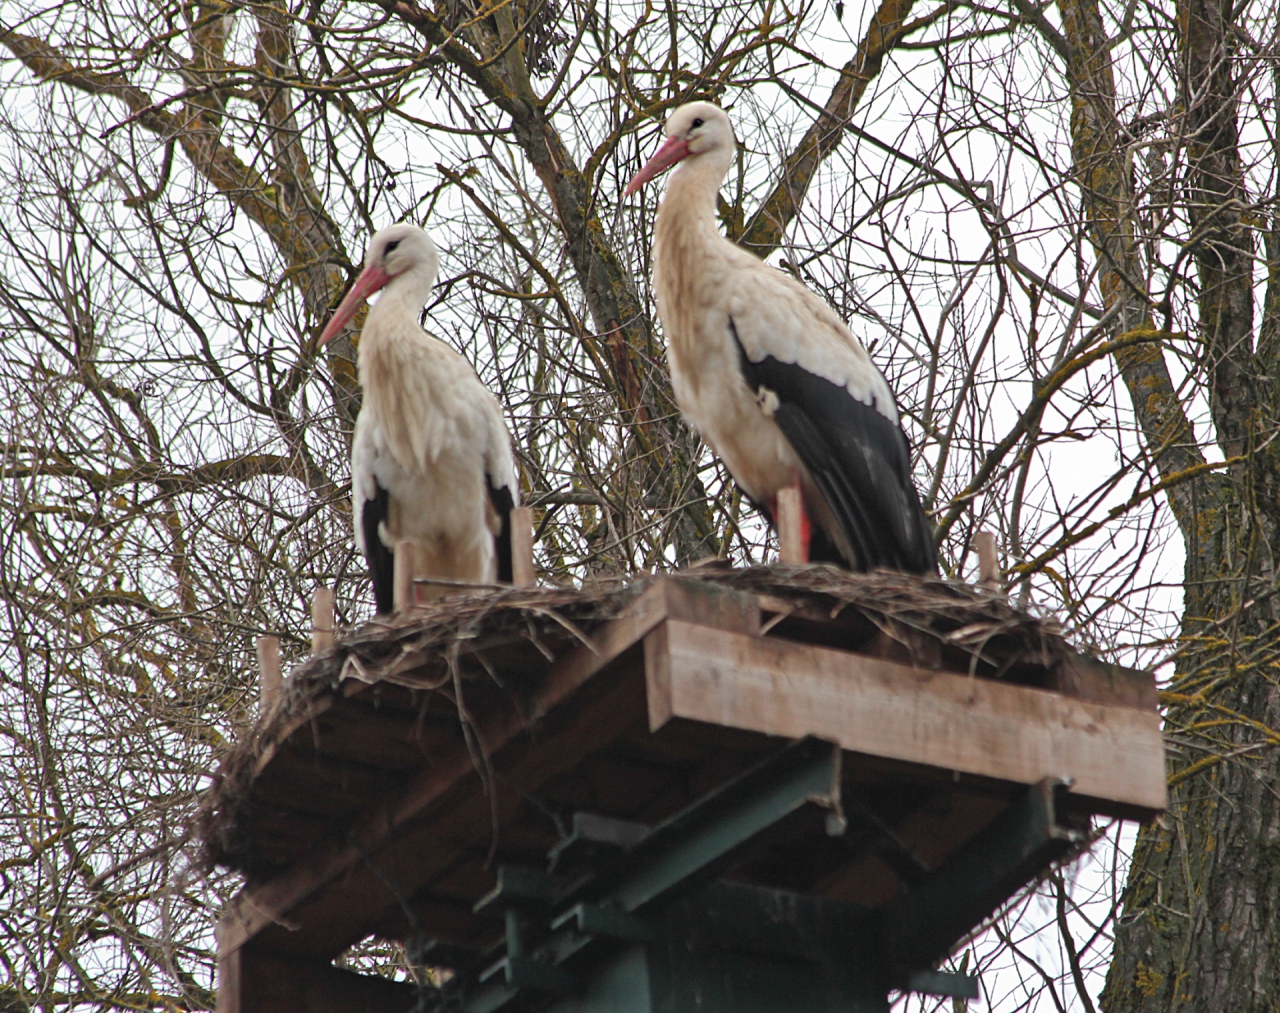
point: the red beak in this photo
(669, 154)
(371, 279)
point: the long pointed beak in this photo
(371, 279)
(669, 154)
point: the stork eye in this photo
(697, 123)
(391, 246)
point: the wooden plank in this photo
(282, 731)
(308, 782)
(270, 681)
(250, 981)
(790, 522)
(1090, 679)
(919, 652)
(276, 839)
(657, 677)
(321, 619)
(451, 918)
(256, 909)
(329, 899)
(932, 833)
(377, 736)
(1114, 755)
(691, 600)
(709, 604)
(523, 573)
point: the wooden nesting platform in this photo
(702, 791)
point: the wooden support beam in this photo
(790, 521)
(403, 594)
(321, 620)
(1113, 756)
(270, 681)
(252, 981)
(522, 571)
(988, 561)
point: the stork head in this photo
(399, 251)
(694, 130)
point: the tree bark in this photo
(1201, 922)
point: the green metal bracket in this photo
(595, 838)
(606, 922)
(693, 846)
(652, 931)
(954, 986)
(671, 860)
(526, 889)
(1021, 842)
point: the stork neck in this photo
(690, 201)
(404, 296)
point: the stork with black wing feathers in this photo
(431, 458)
(771, 377)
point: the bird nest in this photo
(500, 635)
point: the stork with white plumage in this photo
(771, 377)
(431, 459)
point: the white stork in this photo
(771, 377)
(431, 459)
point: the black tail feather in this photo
(381, 559)
(503, 503)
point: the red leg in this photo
(806, 529)
(792, 522)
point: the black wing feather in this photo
(503, 502)
(858, 459)
(381, 559)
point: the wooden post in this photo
(404, 595)
(789, 520)
(321, 619)
(269, 680)
(522, 572)
(988, 561)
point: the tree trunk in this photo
(1200, 927)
